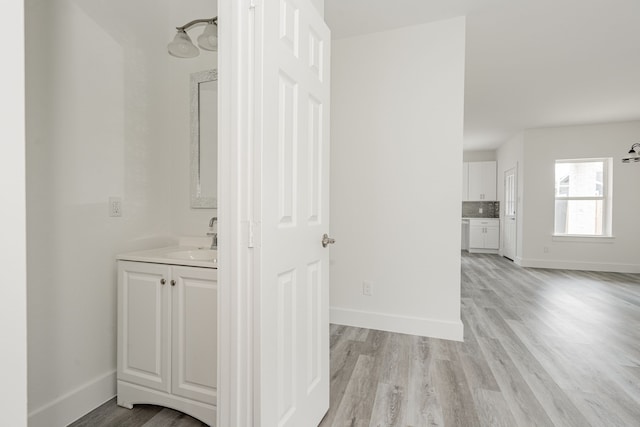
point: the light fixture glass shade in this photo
(208, 40)
(182, 46)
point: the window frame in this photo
(606, 198)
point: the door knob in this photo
(326, 240)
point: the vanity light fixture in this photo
(183, 47)
(635, 150)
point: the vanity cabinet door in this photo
(143, 324)
(194, 306)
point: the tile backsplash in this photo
(489, 209)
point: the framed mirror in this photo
(204, 139)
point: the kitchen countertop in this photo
(468, 218)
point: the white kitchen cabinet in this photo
(481, 181)
(465, 181)
(465, 235)
(167, 337)
(484, 235)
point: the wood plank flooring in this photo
(112, 415)
(541, 348)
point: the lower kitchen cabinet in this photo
(484, 235)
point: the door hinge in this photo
(252, 4)
(250, 234)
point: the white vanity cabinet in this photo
(167, 337)
(484, 235)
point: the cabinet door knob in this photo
(173, 283)
(163, 281)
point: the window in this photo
(583, 206)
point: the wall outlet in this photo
(115, 206)
(480, 210)
(367, 288)
(545, 249)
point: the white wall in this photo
(13, 304)
(396, 146)
(185, 221)
(91, 134)
(107, 116)
(479, 156)
(510, 155)
(541, 148)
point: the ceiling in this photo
(529, 63)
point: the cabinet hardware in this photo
(173, 283)
(163, 281)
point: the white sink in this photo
(194, 254)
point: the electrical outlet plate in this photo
(367, 288)
(115, 206)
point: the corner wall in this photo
(92, 106)
(541, 148)
(396, 151)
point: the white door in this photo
(293, 115)
(510, 203)
(194, 312)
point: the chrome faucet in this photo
(214, 235)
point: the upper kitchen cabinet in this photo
(465, 181)
(479, 181)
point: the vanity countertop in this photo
(192, 256)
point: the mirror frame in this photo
(198, 201)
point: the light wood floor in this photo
(542, 348)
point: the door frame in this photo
(236, 354)
(239, 215)
(13, 305)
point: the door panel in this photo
(143, 329)
(194, 361)
(294, 304)
(510, 222)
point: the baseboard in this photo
(73, 405)
(579, 265)
(432, 328)
(483, 251)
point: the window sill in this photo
(582, 238)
